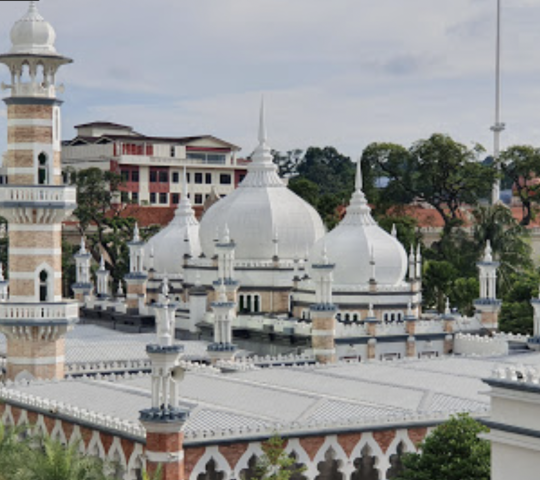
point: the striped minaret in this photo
(35, 202)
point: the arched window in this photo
(256, 303)
(347, 317)
(355, 317)
(43, 169)
(43, 286)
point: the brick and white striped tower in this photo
(165, 420)
(488, 306)
(323, 330)
(136, 278)
(35, 202)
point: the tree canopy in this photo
(453, 451)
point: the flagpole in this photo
(498, 126)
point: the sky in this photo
(343, 73)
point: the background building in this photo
(151, 167)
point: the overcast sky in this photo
(333, 72)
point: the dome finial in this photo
(262, 123)
(488, 257)
(359, 180)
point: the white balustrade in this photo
(38, 311)
(38, 194)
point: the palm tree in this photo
(509, 240)
(55, 461)
(12, 450)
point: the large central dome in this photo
(261, 212)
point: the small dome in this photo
(166, 249)
(357, 241)
(32, 34)
(262, 214)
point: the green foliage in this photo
(54, 461)
(275, 463)
(438, 171)
(322, 177)
(438, 282)
(100, 219)
(452, 451)
(406, 228)
(12, 450)
(517, 313)
(521, 164)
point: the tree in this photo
(517, 312)
(438, 278)
(54, 461)
(521, 164)
(101, 220)
(452, 451)
(12, 450)
(275, 463)
(406, 229)
(439, 171)
(287, 162)
(509, 241)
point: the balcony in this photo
(38, 313)
(38, 196)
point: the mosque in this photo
(362, 376)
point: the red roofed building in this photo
(152, 166)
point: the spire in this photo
(372, 262)
(447, 310)
(394, 230)
(226, 235)
(262, 171)
(136, 236)
(83, 246)
(324, 255)
(359, 184)
(262, 124)
(358, 211)
(371, 313)
(165, 288)
(102, 263)
(488, 257)
(184, 214)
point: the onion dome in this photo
(32, 34)
(165, 251)
(260, 210)
(361, 250)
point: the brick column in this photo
(323, 332)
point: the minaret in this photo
(224, 306)
(323, 330)
(3, 285)
(535, 302)
(164, 421)
(83, 285)
(137, 277)
(102, 280)
(35, 202)
(488, 306)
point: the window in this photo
(163, 198)
(124, 197)
(208, 178)
(153, 176)
(43, 286)
(188, 177)
(124, 174)
(135, 176)
(198, 198)
(225, 179)
(215, 158)
(173, 151)
(163, 177)
(43, 169)
(152, 197)
(135, 197)
(175, 198)
(175, 177)
(198, 178)
(196, 156)
(241, 177)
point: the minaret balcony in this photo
(33, 90)
(14, 313)
(39, 196)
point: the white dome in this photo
(261, 212)
(165, 251)
(356, 241)
(32, 34)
